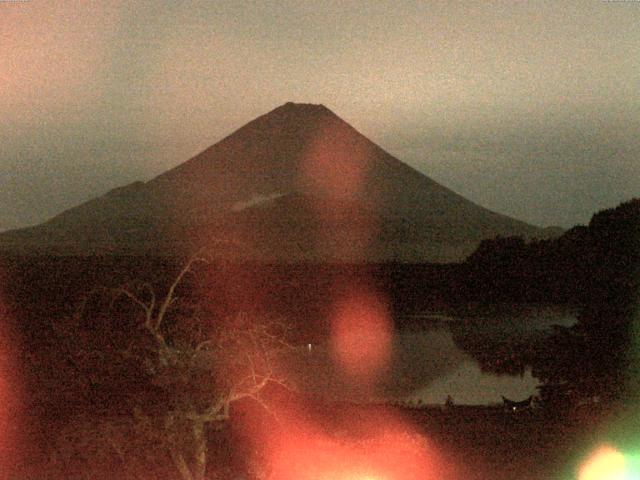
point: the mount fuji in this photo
(297, 184)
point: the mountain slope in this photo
(296, 184)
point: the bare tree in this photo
(197, 368)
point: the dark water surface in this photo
(427, 364)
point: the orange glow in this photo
(361, 334)
(334, 169)
(333, 165)
(366, 450)
(606, 463)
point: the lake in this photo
(426, 365)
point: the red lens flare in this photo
(334, 166)
(334, 169)
(361, 334)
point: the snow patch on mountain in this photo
(256, 199)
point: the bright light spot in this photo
(314, 455)
(607, 463)
(368, 443)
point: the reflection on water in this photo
(427, 365)
(467, 384)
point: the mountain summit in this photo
(295, 184)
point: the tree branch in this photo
(169, 298)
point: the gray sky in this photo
(529, 108)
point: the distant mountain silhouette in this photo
(296, 184)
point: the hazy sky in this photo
(529, 108)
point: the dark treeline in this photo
(588, 265)
(595, 268)
(41, 288)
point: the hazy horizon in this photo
(528, 109)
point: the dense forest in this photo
(595, 268)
